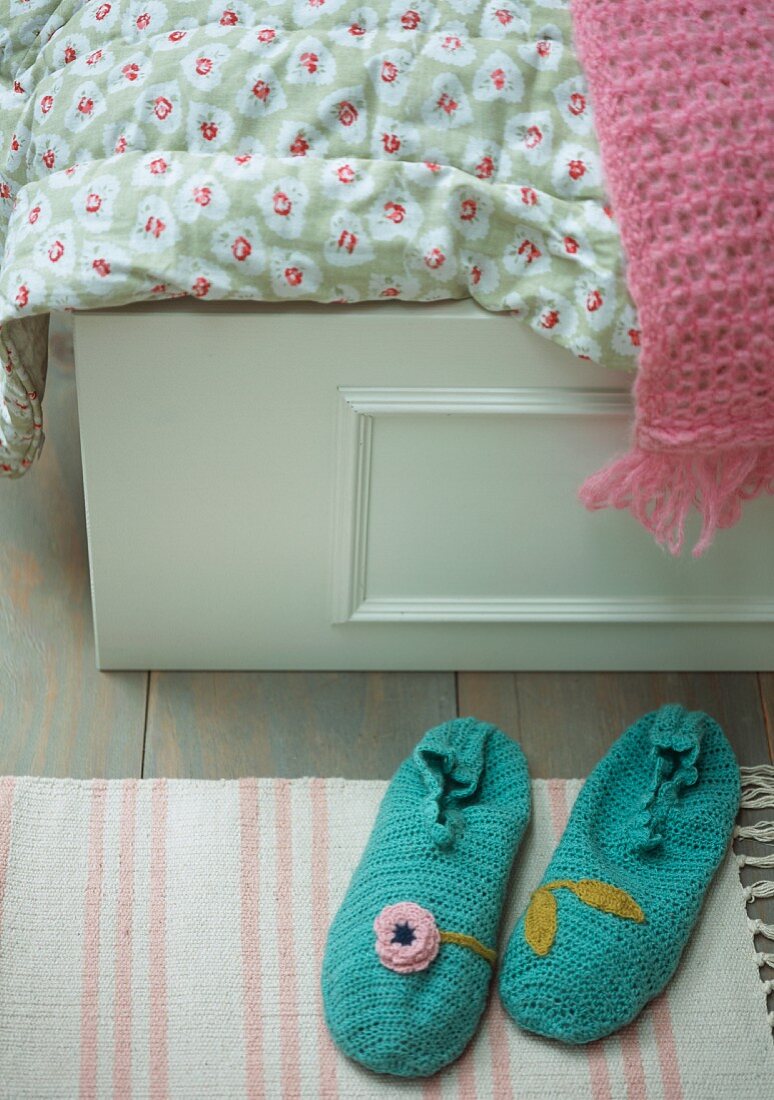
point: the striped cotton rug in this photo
(163, 939)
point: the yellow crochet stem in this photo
(470, 941)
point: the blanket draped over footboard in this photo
(683, 92)
(424, 149)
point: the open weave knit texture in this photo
(163, 938)
(684, 110)
(447, 831)
(628, 879)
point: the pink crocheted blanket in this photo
(683, 94)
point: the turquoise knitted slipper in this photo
(411, 951)
(604, 931)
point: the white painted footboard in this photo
(384, 486)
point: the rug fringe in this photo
(662, 488)
(758, 793)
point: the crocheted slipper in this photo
(604, 931)
(411, 951)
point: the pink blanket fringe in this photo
(662, 488)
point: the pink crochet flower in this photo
(407, 937)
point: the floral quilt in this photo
(281, 150)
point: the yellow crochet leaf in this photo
(608, 898)
(540, 921)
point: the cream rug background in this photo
(163, 938)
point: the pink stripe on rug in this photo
(92, 904)
(661, 1018)
(157, 948)
(122, 1062)
(6, 820)
(251, 954)
(634, 1070)
(321, 841)
(288, 991)
(599, 1072)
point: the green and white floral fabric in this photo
(336, 150)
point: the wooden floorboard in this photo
(567, 721)
(356, 725)
(58, 715)
(766, 681)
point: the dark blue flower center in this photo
(403, 934)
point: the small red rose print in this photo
(294, 276)
(550, 319)
(121, 144)
(155, 226)
(608, 211)
(498, 78)
(143, 21)
(348, 241)
(282, 204)
(434, 258)
(202, 195)
(310, 62)
(299, 147)
(46, 103)
(634, 337)
(17, 87)
(391, 143)
(594, 301)
(395, 212)
(229, 18)
(85, 105)
(451, 43)
(503, 16)
(93, 203)
(468, 210)
(571, 246)
(390, 292)
(261, 90)
(102, 12)
(176, 36)
(102, 267)
(203, 66)
(447, 104)
(14, 144)
(158, 166)
(577, 104)
(389, 73)
(49, 158)
(243, 158)
(529, 251)
(543, 48)
(201, 287)
(241, 249)
(22, 296)
(346, 173)
(533, 137)
(576, 169)
(94, 58)
(348, 113)
(69, 55)
(159, 288)
(33, 215)
(131, 70)
(266, 35)
(475, 275)
(410, 20)
(56, 252)
(162, 108)
(485, 168)
(431, 166)
(209, 131)
(5, 191)
(356, 30)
